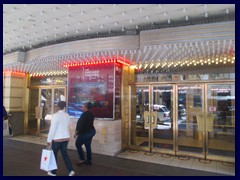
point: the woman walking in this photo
(59, 135)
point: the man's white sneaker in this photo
(51, 174)
(72, 173)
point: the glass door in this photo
(194, 119)
(46, 104)
(162, 108)
(190, 117)
(151, 125)
(32, 123)
(139, 117)
(49, 98)
(220, 120)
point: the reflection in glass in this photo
(189, 111)
(162, 104)
(221, 104)
(46, 104)
(140, 105)
(33, 103)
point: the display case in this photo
(99, 84)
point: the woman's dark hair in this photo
(88, 105)
(61, 104)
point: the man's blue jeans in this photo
(62, 146)
(85, 139)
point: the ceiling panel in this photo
(27, 25)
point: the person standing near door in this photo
(6, 123)
(5, 115)
(59, 136)
(84, 134)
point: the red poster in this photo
(91, 83)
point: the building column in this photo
(14, 91)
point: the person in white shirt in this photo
(59, 135)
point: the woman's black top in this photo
(85, 123)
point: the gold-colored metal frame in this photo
(204, 154)
(53, 87)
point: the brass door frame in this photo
(52, 102)
(150, 130)
(175, 85)
(39, 102)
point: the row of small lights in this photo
(187, 63)
(17, 73)
(51, 73)
(96, 63)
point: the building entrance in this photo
(185, 119)
(42, 105)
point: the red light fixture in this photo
(107, 60)
(14, 73)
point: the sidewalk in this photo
(23, 159)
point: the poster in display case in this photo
(95, 84)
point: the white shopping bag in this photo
(5, 128)
(48, 161)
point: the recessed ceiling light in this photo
(140, 9)
(55, 9)
(206, 14)
(186, 18)
(227, 11)
(82, 13)
(123, 13)
(131, 20)
(98, 9)
(14, 9)
(147, 17)
(116, 23)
